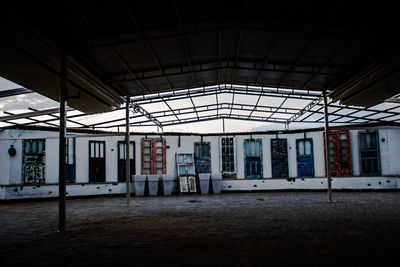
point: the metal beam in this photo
(304, 110)
(34, 120)
(31, 114)
(137, 108)
(62, 142)
(184, 44)
(16, 91)
(126, 39)
(127, 154)
(226, 64)
(146, 43)
(110, 47)
(198, 92)
(327, 154)
(332, 58)
(273, 43)
(57, 117)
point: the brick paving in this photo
(243, 229)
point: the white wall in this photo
(4, 162)
(11, 167)
(393, 145)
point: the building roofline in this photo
(316, 129)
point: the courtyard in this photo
(235, 229)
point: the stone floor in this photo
(246, 229)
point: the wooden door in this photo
(97, 161)
(305, 157)
(122, 161)
(279, 158)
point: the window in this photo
(70, 160)
(305, 157)
(122, 161)
(153, 156)
(33, 158)
(253, 158)
(185, 164)
(228, 157)
(339, 153)
(202, 157)
(185, 169)
(279, 158)
(97, 161)
(369, 153)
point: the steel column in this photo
(62, 142)
(327, 157)
(127, 158)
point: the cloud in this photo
(22, 102)
(6, 84)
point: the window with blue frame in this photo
(70, 160)
(305, 157)
(253, 158)
(202, 157)
(369, 153)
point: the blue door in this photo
(305, 157)
(253, 158)
(279, 158)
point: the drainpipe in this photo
(62, 134)
(127, 158)
(327, 156)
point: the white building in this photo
(362, 157)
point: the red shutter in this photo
(339, 170)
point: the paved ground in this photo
(247, 229)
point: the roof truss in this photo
(269, 105)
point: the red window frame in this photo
(154, 169)
(337, 169)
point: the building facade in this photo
(361, 157)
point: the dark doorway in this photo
(122, 161)
(97, 161)
(279, 157)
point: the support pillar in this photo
(127, 158)
(62, 143)
(223, 125)
(327, 156)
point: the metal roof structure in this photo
(121, 48)
(227, 102)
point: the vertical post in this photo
(62, 134)
(327, 159)
(127, 158)
(223, 125)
